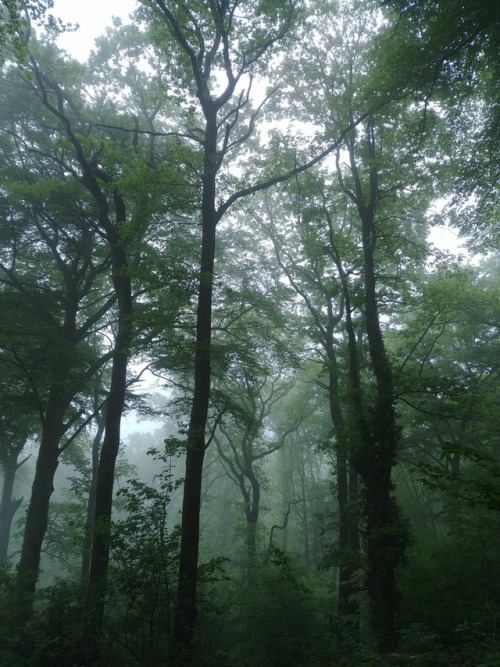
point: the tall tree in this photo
(387, 192)
(84, 240)
(218, 49)
(52, 278)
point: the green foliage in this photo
(476, 485)
(452, 581)
(14, 23)
(142, 582)
(248, 627)
(54, 634)
(60, 619)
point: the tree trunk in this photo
(185, 616)
(43, 486)
(305, 518)
(99, 562)
(252, 517)
(87, 542)
(251, 544)
(8, 509)
(386, 535)
(373, 454)
(286, 467)
(347, 606)
(105, 476)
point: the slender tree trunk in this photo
(37, 515)
(347, 606)
(42, 489)
(251, 544)
(252, 517)
(286, 467)
(186, 612)
(353, 519)
(305, 518)
(8, 509)
(315, 512)
(105, 476)
(99, 562)
(87, 542)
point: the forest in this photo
(249, 401)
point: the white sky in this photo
(93, 16)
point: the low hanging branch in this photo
(285, 522)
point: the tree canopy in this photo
(220, 225)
